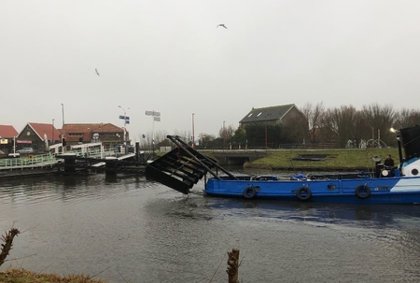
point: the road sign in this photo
(153, 113)
(126, 118)
(157, 119)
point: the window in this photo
(259, 114)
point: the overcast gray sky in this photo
(169, 56)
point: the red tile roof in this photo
(92, 127)
(7, 131)
(45, 130)
(73, 132)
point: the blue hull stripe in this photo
(381, 190)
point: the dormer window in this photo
(250, 115)
(259, 114)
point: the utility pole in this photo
(224, 135)
(52, 132)
(62, 113)
(193, 142)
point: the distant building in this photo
(286, 122)
(37, 137)
(7, 136)
(107, 133)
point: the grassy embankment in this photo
(335, 160)
(25, 276)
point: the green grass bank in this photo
(322, 159)
(26, 276)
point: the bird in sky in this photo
(222, 25)
(96, 71)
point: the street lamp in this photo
(398, 136)
(62, 113)
(52, 132)
(193, 143)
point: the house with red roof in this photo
(37, 137)
(106, 133)
(7, 135)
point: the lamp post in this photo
(63, 137)
(62, 113)
(192, 120)
(398, 136)
(224, 135)
(52, 132)
(14, 145)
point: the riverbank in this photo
(323, 159)
(25, 276)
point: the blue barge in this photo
(183, 167)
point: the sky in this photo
(170, 56)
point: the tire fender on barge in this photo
(362, 192)
(250, 192)
(304, 193)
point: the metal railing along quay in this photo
(33, 161)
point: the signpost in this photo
(156, 118)
(125, 118)
(126, 121)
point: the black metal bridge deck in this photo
(182, 167)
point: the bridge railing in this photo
(27, 161)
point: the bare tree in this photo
(227, 132)
(205, 140)
(380, 119)
(406, 118)
(314, 115)
(339, 125)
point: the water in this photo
(131, 230)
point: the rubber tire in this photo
(304, 193)
(362, 192)
(250, 192)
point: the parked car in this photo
(25, 150)
(14, 155)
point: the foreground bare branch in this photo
(8, 243)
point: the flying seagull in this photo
(96, 70)
(222, 25)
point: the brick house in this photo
(287, 123)
(107, 133)
(7, 135)
(37, 136)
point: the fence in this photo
(28, 162)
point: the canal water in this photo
(132, 230)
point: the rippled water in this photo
(131, 230)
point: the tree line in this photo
(371, 123)
(343, 126)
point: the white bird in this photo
(96, 70)
(222, 25)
